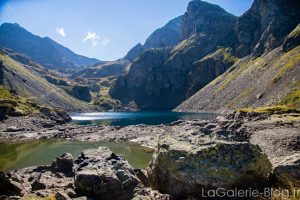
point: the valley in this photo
(210, 100)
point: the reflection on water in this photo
(42, 152)
(134, 118)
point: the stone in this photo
(3, 197)
(98, 172)
(37, 185)
(183, 167)
(61, 196)
(8, 187)
(287, 172)
(64, 164)
(14, 129)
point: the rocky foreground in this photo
(239, 150)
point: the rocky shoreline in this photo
(236, 150)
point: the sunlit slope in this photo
(273, 79)
(26, 83)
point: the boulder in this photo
(9, 187)
(281, 145)
(64, 164)
(185, 164)
(101, 174)
(287, 173)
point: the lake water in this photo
(134, 118)
(42, 152)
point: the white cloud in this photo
(61, 31)
(95, 39)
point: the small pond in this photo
(17, 155)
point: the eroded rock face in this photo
(292, 40)
(183, 167)
(208, 68)
(80, 92)
(265, 26)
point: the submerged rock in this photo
(183, 167)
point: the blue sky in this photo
(104, 29)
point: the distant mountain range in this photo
(44, 51)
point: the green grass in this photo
(293, 61)
(247, 92)
(271, 109)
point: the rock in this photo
(158, 79)
(3, 197)
(281, 145)
(183, 166)
(99, 172)
(80, 92)
(14, 197)
(37, 185)
(258, 31)
(292, 40)
(64, 164)
(61, 196)
(57, 115)
(48, 124)
(287, 172)
(143, 176)
(80, 198)
(9, 187)
(71, 193)
(17, 113)
(14, 129)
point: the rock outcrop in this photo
(101, 174)
(208, 68)
(281, 147)
(80, 92)
(265, 25)
(186, 164)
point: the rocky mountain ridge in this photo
(164, 80)
(44, 51)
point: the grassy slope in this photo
(29, 85)
(272, 79)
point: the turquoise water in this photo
(135, 118)
(15, 155)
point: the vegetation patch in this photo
(280, 109)
(293, 61)
(247, 92)
(293, 99)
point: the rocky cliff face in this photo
(269, 30)
(167, 36)
(158, 79)
(203, 17)
(265, 25)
